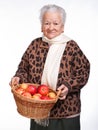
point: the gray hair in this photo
(53, 8)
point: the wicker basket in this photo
(34, 109)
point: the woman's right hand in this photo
(14, 81)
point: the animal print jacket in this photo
(73, 72)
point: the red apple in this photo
(43, 89)
(36, 96)
(31, 89)
(20, 90)
(26, 94)
(24, 85)
(52, 94)
(45, 97)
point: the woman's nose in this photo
(51, 26)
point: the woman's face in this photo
(52, 25)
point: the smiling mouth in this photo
(51, 32)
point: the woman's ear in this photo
(62, 28)
(41, 29)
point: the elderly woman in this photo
(55, 60)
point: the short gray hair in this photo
(53, 8)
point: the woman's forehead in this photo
(52, 16)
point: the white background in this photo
(19, 25)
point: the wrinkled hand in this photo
(64, 92)
(14, 81)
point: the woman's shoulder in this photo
(73, 45)
(37, 39)
(71, 42)
(34, 43)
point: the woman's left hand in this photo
(64, 92)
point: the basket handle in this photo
(58, 93)
(14, 86)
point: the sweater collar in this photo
(56, 40)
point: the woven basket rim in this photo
(34, 100)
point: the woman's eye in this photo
(46, 23)
(56, 23)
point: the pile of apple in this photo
(40, 92)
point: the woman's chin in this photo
(50, 36)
